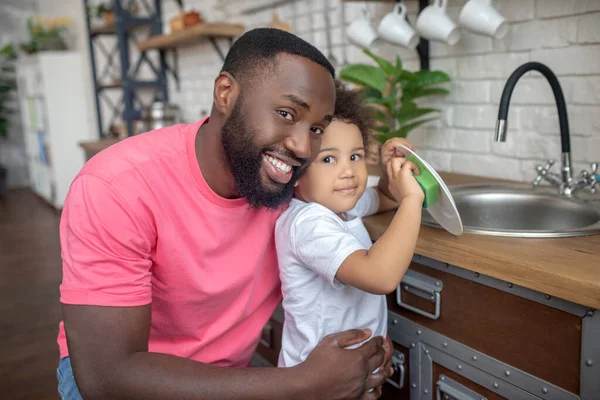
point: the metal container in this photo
(159, 115)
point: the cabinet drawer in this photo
(448, 384)
(270, 342)
(540, 340)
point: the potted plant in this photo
(46, 34)
(7, 86)
(393, 91)
(106, 13)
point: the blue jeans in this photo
(66, 381)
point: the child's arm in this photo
(380, 269)
(386, 203)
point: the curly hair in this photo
(349, 108)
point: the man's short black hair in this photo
(252, 52)
(349, 108)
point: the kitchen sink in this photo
(519, 210)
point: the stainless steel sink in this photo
(522, 211)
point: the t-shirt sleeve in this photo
(322, 242)
(106, 247)
(368, 204)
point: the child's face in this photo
(338, 176)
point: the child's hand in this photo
(388, 150)
(402, 183)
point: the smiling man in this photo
(169, 262)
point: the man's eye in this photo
(328, 160)
(316, 131)
(355, 157)
(285, 114)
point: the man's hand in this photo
(388, 347)
(337, 373)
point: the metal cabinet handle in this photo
(447, 389)
(423, 286)
(266, 338)
(398, 365)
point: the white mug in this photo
(361, 33)
(480, 16)
(434, 24)
(395, 28)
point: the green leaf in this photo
(406, 77)
(389, 102)
(380, 115)
(398, 65)
(370, 92)
(403, 131)
(384, 64)
(382, 138)
(430, 92)
(382, 129)
(407, 107)
(410, 94)
(377, 100)
(427, 78)
(366, 75)
(405, 117)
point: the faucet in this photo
(565, 182)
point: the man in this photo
(168, 253)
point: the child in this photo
(333, 278)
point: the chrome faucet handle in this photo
(588, 180)
(543, 173)
(593, 178)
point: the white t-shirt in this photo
(312, 243)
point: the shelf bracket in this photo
(213, 40)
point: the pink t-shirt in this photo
(140, 225)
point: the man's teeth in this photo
(283, 167)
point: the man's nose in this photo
(299, 143)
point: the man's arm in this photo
(108, 347)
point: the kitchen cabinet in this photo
(51, 89)
(270, 341)
(492, 337)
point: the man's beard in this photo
(245, 160)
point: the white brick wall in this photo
(565, 35)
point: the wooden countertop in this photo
(568, 268)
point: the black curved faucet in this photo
(501, 124)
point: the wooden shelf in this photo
(103, 30)
(110, 29)
(191, 35)
(114, 85)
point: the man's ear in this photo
(226, 92)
